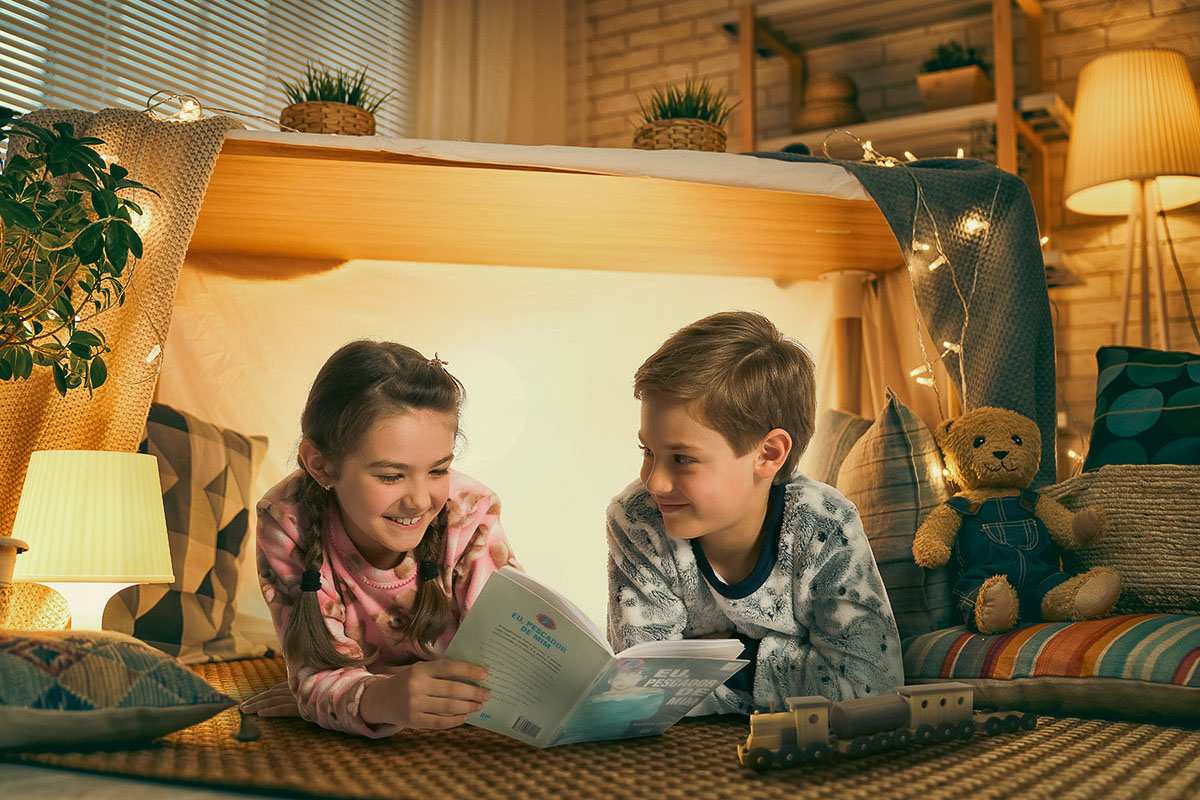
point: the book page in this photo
(568, 608)
(685, 648)
(539, 661)
(644, 696)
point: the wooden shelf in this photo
(817, 23)
(313, 202)
(933, 133)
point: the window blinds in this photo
(229, 54)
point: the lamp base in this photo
(32, 607)
(87, 601)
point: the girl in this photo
(370, 555)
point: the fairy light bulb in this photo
(960, 154)
(921, 370)
(925, 380)
(153, 354)
(973, 224)
(908, 154)
(937, 262)
(1045, 240)
(189, 110)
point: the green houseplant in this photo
(687, 117)
(331, 101)
(67, 246)
(954, 75)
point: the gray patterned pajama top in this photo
(813, 612)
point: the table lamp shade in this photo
(1136, 118)
(92, 516)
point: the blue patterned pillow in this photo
(72, 688)
(1147, 408)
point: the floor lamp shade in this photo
(92, 516)
(1136, 119)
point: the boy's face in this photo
(700, 484)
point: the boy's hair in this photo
(361, 383)
(746, 376)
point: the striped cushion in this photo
(836, 432)
(1138, 665)
(894, 475)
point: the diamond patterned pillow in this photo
(71, 688)
(207, 476)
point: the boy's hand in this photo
(278, 701)
(427, 694)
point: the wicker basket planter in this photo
(949, 88)
(680, 134)
(326, 116)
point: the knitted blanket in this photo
(989, 296)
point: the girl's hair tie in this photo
(427, 570)
(310, 580)
(437, 362)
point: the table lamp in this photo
(94, 522)
(1135, 150)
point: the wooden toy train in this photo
(813, 728)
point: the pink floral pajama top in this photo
(364, 606)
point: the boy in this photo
(718, 538)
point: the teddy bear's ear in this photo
(943, 430)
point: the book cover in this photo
(554, 679)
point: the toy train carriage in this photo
(813, 727)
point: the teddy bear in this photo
(1003, 537)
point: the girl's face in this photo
(394, 484)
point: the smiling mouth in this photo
(667, 508)
(406, 522)
(1001, 466)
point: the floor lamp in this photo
(1135, 150)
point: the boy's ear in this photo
(772, 453)
(315, 464)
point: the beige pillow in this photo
(835, 433)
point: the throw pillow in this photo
(1147, 408)
(1141, 666)
(72, 688)
(207, 475)
(836, 432)
(894, 475)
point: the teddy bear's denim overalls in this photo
(1002, 536)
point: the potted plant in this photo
(332, 101)
(954, 75)
(690, 117)
(67, 246)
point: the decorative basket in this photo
(680, 134)
(327, 116)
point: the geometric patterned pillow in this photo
(94, 688)
(893, 473)
(207, 476)
(1147, 408)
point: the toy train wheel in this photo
(881, 742)
(925, 734)
(818, 751)
(1029, 722)
(993, 726)
(902, 737)
(860, 746)
(946, 731)
(788, 756)
(760, 759)
(1012, 723)
(966, 729)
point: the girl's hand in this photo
(277, 701)
(427, 694)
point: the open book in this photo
(555, 680)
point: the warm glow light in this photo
(909, 156)
(1045, 240)
(921, 370)
(141, 222)
(973, 224)
(189, 110)
(153, 354)
(1074, 455)
(960, 153)
(939, 261)
(109, 159)
(920, 246)
(925, 380)
(953, 347)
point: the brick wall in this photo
(633, 45)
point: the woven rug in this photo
(1067, 758)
